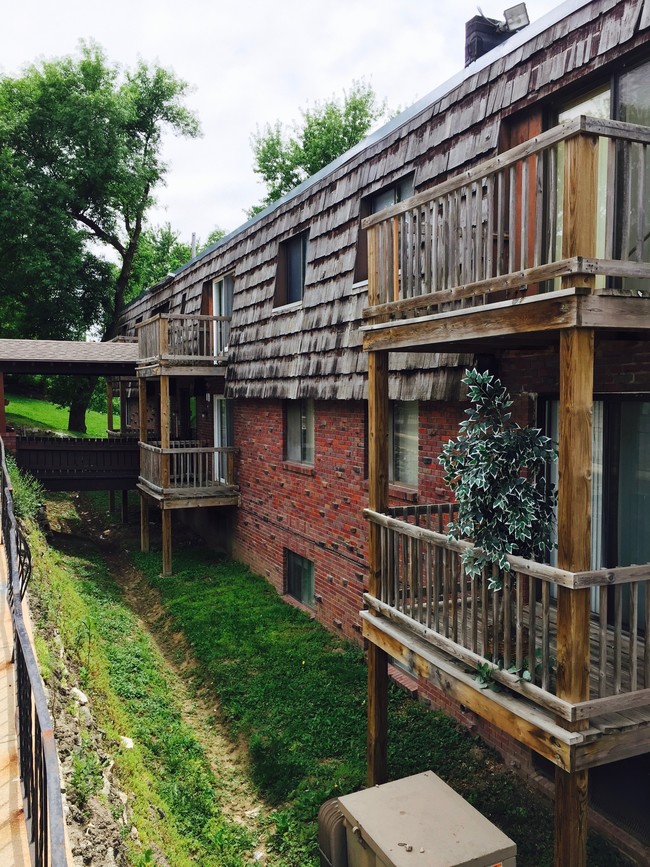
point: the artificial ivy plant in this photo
(497, 471)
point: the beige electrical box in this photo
(420, 822)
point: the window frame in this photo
(304, 418)
(299, 581)
(403, 188)
(292, 255)
(394, 439)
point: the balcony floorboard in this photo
(609, 738)
(191, 498)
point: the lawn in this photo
(291, 696)
(34, 413)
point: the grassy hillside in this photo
(34, 413)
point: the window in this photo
(403, 442)
(299, 431)
(620, 491)
(222, 294)
(300, 578)
(292, 265)
(371, 204)
(624, 97)
(223, 437)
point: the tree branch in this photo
(107, 237)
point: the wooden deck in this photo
(609, 737)
(181, 345)
(191, 498)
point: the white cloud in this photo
(251, 62)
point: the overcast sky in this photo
(251, 62)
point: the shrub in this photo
(497, 471)
(27, 491)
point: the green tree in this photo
(497, 471)
(285, 159)
(80, 151)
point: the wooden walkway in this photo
(14, 847)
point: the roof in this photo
(68, 357)
(521, 37)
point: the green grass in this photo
(297, 696)
(173, 793)
(34, 413)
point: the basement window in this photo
(300, 578)
(292, 266)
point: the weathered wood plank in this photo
(524, 722)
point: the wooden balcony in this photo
(188, 475)
(180, 345)
(547, 236)
(449, 628)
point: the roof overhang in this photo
(75, 358)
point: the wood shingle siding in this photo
(314, 351)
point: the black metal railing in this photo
(39, 766)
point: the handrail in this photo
(564, 130)
(510, 632)
(504, 227)
(39, 764)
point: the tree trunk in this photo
(79, 404)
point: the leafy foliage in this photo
(27, 491)
(497, 471)
(160, 251)
(327, 130)
(80, 158)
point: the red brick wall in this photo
(318, 511)
(620, 366)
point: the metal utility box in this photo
(420, 822)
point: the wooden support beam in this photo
(574, 491)
(144, 524)
(377, 500)
(143, 409)
(3, 414)
(165, 423)
(535, 315)
(574, 552)
(109, 405)
(124, 511)
(166, 542)
(121, 405)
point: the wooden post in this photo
(378, 501)
(122, 404)
(166, 542)
(109, 406)
(580, 205)
(144, 524)
(165, 421)
(109, 430)
(574, 553)
(3, 414)
(143, 409)
(574, 491)
(125, 507)
(144, 502)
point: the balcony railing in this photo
(187, 467)
(511, 634)
(175, 339)
(501, 226)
